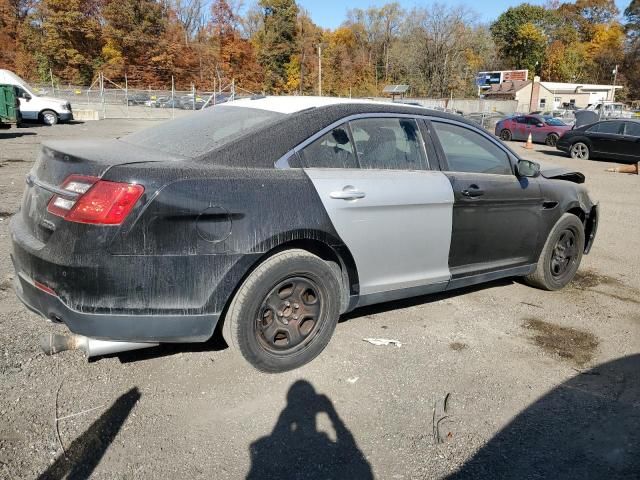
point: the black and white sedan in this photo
(272, 216)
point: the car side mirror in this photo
(26, 96)
(526, 168)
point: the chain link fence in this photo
(112, 100)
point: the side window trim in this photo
(512, 157)
(432, 146)
(284, 163)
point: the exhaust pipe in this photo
(54, 343)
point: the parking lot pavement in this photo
(498, 381)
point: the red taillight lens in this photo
(100, 202)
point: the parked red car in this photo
(542, 129)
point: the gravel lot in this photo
(498, 381)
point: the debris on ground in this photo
(383, 341)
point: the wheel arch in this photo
(321, 246)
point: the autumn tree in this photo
(12, 16)
(235, 57)
(64, 36)
(631, 66)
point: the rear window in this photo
(202, 131)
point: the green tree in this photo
(276, 41)
(132, 34)
(519, 34)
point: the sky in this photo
(331, 13)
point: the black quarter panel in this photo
(218, 223)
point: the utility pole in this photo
(615, 78)
(319, 69)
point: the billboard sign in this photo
(486, 79)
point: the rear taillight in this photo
(98, 201)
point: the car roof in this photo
(297, 103)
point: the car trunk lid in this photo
(58, 160)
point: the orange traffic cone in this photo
(529, 143)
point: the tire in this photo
(552, 139)
(284, 313)
(561, 255)
(579, 151)
(505, 135)
(49, 117)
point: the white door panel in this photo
(397, 224)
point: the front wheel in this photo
(579, 151)
(505, 135)
(561, 255)
(285, 312)
(551, 139)
(49, 117)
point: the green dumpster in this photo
(9, 105)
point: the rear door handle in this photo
(347, 193)
(472, 192)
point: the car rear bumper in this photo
(111, 297)
(125, 327)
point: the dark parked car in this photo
(542, 129)
(609, 139)
(275, 215)
(137, 99)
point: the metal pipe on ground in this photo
(55, 343)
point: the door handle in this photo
(472, 192)
(347, 193)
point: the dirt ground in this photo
(498, 381)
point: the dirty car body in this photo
(149, 238)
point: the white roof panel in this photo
(293, 104)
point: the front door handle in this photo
(472, 192)
(347, 193)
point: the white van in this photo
(47, 110)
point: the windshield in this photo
(202, 131)
(554, 122)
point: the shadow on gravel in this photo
(14, 134)
(87, 450)
(588, 427)
(296, 449)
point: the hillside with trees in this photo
(273, 45)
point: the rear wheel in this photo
(49, 117)
(579, 151)
(552, 139)
(285, 312)
(561, 255)
(506, 135)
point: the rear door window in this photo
(332, 150)
(607, 127)
(389, 144)
(632, 129)
(469, 151)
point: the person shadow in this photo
(586, 428)
(296, 449)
